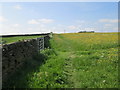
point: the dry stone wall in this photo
(14, 55)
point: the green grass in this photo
(7, 40)
(74, 61)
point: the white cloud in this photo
(89, 29)
(77, 28)
(16, 25)
(46, 20)
(80, 21)
(115, 28)
(108, 20)
(18, 7)
(108, 25)
(40, 21)
(2, 19)
(72, 27)
(33, 21)
(9, 29)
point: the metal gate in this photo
(40, 43)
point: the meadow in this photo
(74, 60)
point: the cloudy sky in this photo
(58, 17)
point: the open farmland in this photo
(82, 60)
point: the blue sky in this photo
(42, 17)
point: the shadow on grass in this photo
(20, 78)
(47, 42)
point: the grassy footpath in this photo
(74, 61)
(7, 40)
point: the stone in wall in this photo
(14, 54)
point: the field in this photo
(7, 40)
(83, 60)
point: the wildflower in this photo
(104, 81)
